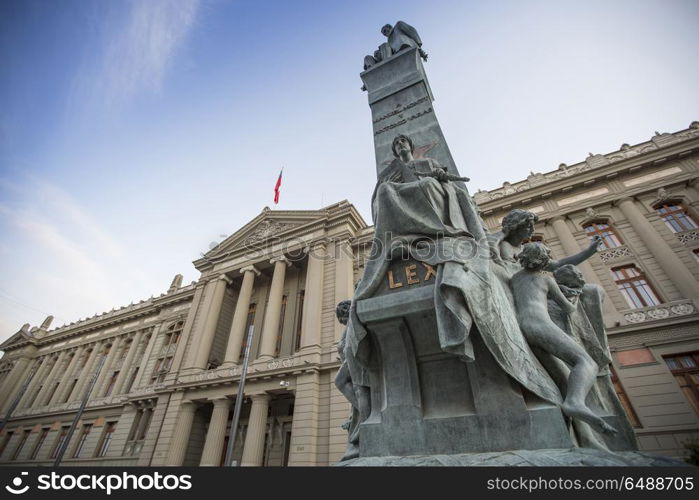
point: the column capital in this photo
(251, 269)
(188, 405)
(225, 278)
(316, 244)
(280, 258)
(557, 218)
(222, 401)
(623, 200)
(262, 397)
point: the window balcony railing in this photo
(611, 254)
(661, 311)
(687, 237)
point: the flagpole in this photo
(228, 462)
(76, 419)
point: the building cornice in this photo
(543, 186)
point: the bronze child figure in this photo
(532, 287)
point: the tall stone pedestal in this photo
(425, 401)
(401, 103)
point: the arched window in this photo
(605, 231)
(675, 215)
(633, 285)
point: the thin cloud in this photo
(136, 58)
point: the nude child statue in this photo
(532, 288)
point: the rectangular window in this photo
(625, 401)
(132, 379)
(608, 235)
(59, 442)
(280, 333)
(676, 217)
(20, 445)
(685, 368)
(8, 436)
(30, 403)
(71, 388)
(162, 366)
(145, 424)
(633, 285)
(299, 321)
(106, 440)
(40, 442)
(81, 440)
(138, 432)
(112, 381)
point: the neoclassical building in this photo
(168, 368)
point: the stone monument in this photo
(435, 363)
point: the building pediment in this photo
(267, 228)
(273, 226)
(18, 339)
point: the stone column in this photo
(36, 381)
(344, 278)
(214, 301)
(693, 191)
(240, 317)
(313, 299)
(85, 373)
(142, 377)
(60, 393)
(215, 436)
(13, 382)
(105, 373)
(125, 367)
(180, 438)
(46, 390)
(571, 247)
(665, 256)
(274, 308)
(9, 383)
(253, 449)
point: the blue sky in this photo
(134, 133)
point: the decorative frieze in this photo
(663, 311)
(235, 371)
(591, 163)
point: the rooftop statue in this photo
(400, 36)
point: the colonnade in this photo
(214, 295)
(54, 373)
(253, 446)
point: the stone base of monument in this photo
(428, 404)
(573, 457)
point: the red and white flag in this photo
(278, 186)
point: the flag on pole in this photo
(277, 186)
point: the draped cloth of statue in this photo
(436, 222)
